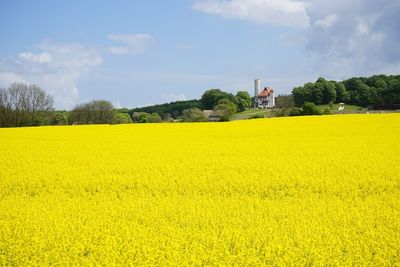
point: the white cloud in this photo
(327, 22)
(8, 77)
(279, 12)
(39, 58)
(130, 38)
(57, 69)
(130, 43)
(344, 37)
(361, 40)
(362, 27)
(119, 50)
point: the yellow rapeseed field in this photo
(285, 191)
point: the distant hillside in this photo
(173, 108)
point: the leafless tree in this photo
(23, 105)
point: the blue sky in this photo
(136, 53)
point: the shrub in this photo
(326, 111)
(295, 112)
(122, 118)
(310, 109)
(257, 116)
(143, 117)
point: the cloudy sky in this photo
(136, 53)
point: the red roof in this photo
(266, 92)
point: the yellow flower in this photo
(317, 190)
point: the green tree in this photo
(193, 115)
(317, 92)
(154, 117)
(244, 100)
(225, 109)
(122, 118)
(360, 93)
(144, 117)
(328, 91)
(302, 94)
(211, 97)
(173, 108)
(342, 96)
(59, 118)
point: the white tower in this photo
(272, 100)
(257, 86)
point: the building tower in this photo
(257, 87)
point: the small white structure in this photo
(265, 98)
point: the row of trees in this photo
(23, 105)
(320, 92)
(144, 117)
(209, 101)
(222, 103)
(378, 90)
(168, 110)
(29, 105)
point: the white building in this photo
(265, 98)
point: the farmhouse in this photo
(266, 98)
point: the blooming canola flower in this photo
(285, 191)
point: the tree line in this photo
(29, 105)
(168, 110)
(223, 104)
(378, 91)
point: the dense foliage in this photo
(59, 117)
(122, 118)
(211, 97)
(243, 100)
(304, 191)
(94, 112)
(380, 91)
(144, 117)
(225, 109)
(174, 109)
(209, 100)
